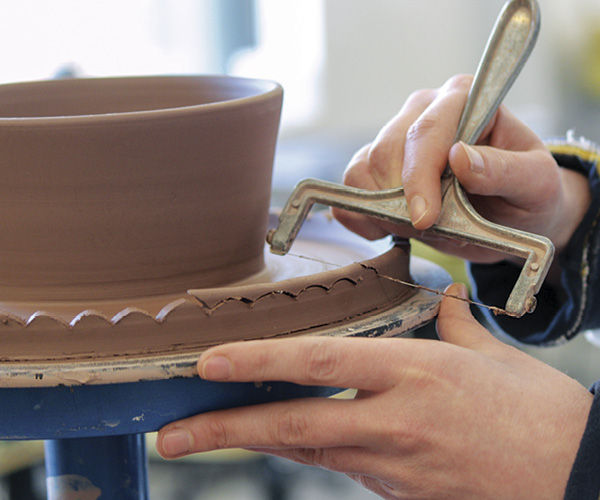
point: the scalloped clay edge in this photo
(207, 317)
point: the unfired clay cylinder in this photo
(129, 187)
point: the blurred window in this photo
(273, 39)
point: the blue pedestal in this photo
(111, 467)
(94, 434)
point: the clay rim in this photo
(261, 90)
(420, 309)
(202, 298)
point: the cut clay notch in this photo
(207, 317)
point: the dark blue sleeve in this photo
(560, 314)
(584, 482)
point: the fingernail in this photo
(418, 208)
(475, 158)
(458, 290)
(217, 368)
(176, 442)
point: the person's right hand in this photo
(466, 418)
(510, 176)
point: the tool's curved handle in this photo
(512, 40)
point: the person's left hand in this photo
(465, 418)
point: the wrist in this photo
(576, 200)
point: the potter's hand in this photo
(511, 177)
(467, 418)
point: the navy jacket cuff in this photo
(584, 482)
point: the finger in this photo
(373, 228)
(385, 157)
(378, 166)
(346, 459)
(456, 324)
(357, 172)
(363, 466)
(372, 484)
(488, 171)
(506, 131)
(428, 143)
(306, 423)
(367, 227)
(369, 468)
(329, 361)
(358, 175)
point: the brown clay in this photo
(206, 317)
(118, 196)
(125, 187)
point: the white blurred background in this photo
(346, 65)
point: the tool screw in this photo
(531, 304)
(535, 267)
(270, 236)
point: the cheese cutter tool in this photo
(506, 52)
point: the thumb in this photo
(456, 324)
(489, 171)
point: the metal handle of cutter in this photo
(509, 46)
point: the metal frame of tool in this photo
(508, 48)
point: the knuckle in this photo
(459, 83)
(263, 361)
(329, 459)
(356, 165)
(500, 167)
(289, 429)
(307, 456)
(413, 438)
(317, 456)
(354, 174)
(368, 482)
(219, 436)
(551, 175)
(420, 128)
(354, 177)
(421, 97)
(503, 164)
(379, 162)
(322, 363)
(320, 457)
(360, 156)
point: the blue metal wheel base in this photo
(94, 434)
(129, 408)
(111, 467)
